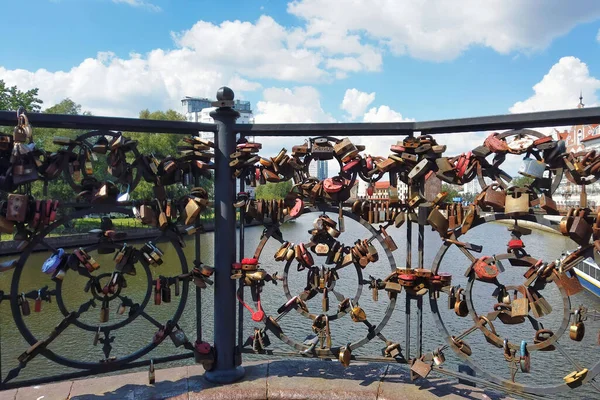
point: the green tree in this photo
(162, 145)
(273, 191)
(521, 181)
(59, 189)
(11, 98)
(451, 190)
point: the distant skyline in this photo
(308, 60)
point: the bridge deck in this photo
(292, 379)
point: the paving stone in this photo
(316, 379)
(171, 383)
(8, 394)
(396, 385)
(115, 387)
(51, 391)
(252, 387)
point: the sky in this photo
(308, 60)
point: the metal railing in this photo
(228, 347)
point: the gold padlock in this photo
(577, 329)
(357, 313)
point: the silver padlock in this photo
(178, 337)
(532, 168)
(438, 357)
(419, 169)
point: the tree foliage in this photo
(158, 144)
(521, 181)
(11, 98)
(451, 190)
(273, 191)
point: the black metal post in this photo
(225, 370)
(240, 331)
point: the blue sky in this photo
(296, 61)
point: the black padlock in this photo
(165, 291)
(24, 303)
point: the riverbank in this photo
(10, 247)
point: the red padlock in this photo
(351, 165)
(202, 347)
(37, 306)
(370, 189)
(236, 266)
(515, 244)
(333, 185)
(485, 272)
(369, 163)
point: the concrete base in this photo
(227, 376)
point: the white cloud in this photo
(439, 29)
(298, 105)
(560, 88)
(356, 102)
(139, 3)
(206, 57)
(384, 114)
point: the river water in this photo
(76, 343)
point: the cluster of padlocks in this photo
(324, 254)
(103, 186)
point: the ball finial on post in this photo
(225, 93)
(224, 98)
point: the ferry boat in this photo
(589, 275)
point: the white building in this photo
(579, 138)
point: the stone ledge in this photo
(279, 379)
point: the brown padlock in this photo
(495, 197)
(460, 305)
(580, 231)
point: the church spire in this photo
(580, 105)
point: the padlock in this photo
(387, 239)
(438, 221)
(519, 305)
(461, 345)
(438, 357)
(96, 338)
(574, 378)
(151, 373)
(357, 313)
(165, 292)
(538, 304)
(548, 204)
(569, 281)
(345, 355)
(420, 368)
(532, 168)
(460, 305)
(577, 328)
(37, 306)
(178, 337)
(525, 358)
(104, 311)
(494, 197)
(484, 270)
(541, 336)
(157, 292)
(517, 202)
(580, 231)
(392, 350)
(451, 297)
(24, 305)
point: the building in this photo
(198, 109)
(578, 138)
(318, 169)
